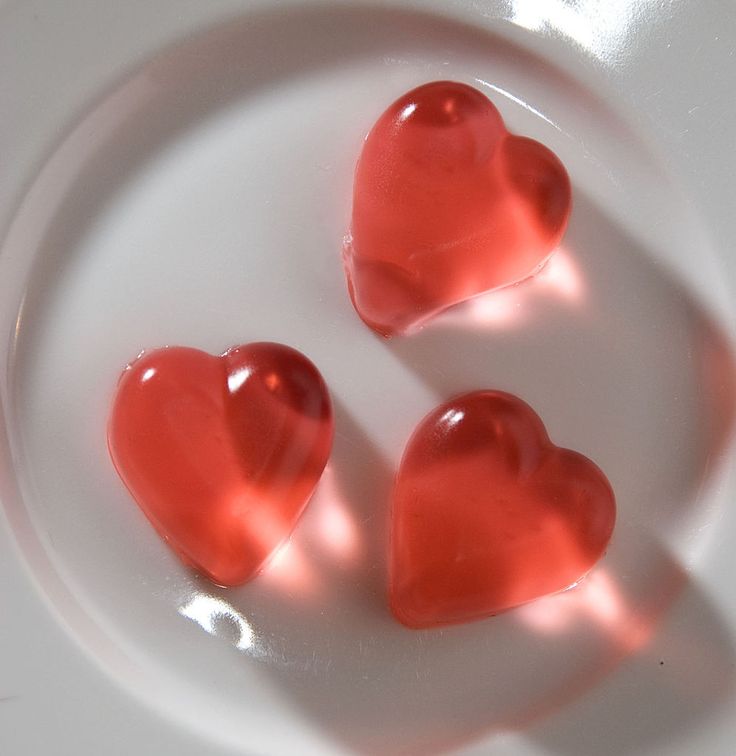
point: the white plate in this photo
(181, 173)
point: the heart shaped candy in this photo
(222, 453)
(488, 514)
(447, 204)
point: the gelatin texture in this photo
(222, 453)
(488, 514)
(447, 204)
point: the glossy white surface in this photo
(184, 176)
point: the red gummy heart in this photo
(488, 514)
(447, 204)
(222, 453)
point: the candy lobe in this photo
(447, 204)
(222, 453)
(487, 514)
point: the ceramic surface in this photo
(180, 173)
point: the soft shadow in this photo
(680, 680)
(631, 371)
(380, 688)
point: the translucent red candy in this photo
(447, 204)
(222, 453)
(488, 514)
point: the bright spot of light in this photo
(237, 379)
(594, 599)
(599, 26)
(290, 571)
(407, 111)
(546, 615)
(279, 555)
(452, 417)
(495, 308)
(148, 374)
(336, 527)
(561, 275)
(207, 611)
(602, 601)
